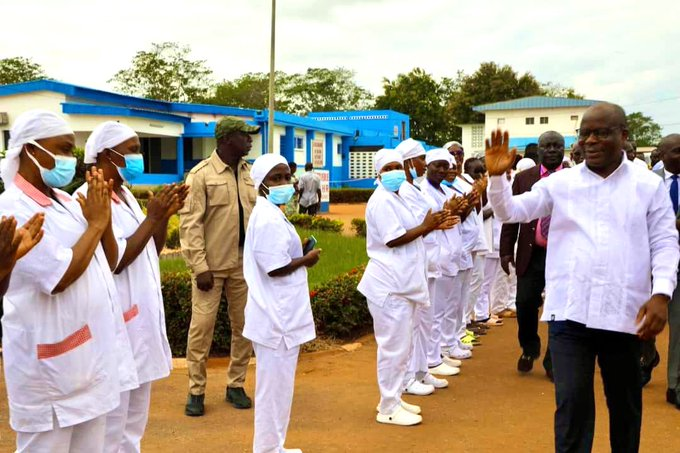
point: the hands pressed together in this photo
(16, 243)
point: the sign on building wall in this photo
(318, 153)
(325, 185)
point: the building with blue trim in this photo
(525, 119)
(176, 136)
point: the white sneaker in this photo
(434, 381)
(451, 362)
(412, 408)
(415, 387)
(444, 370)
(461, 345)
(459, 353)
(400, 417)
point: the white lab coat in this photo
(65, 354)
(141, 301)
(395, 284)
(609, 238)
(278, 319)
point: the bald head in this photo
(669, 151)
(602, 135)
(551, 149)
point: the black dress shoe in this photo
(549, 374)
(672, 398)
(648, 368)
(238, 398)
(525, 363)
(194, 407)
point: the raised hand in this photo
(497, 157)
(449, 222)
(29, 235)
(8, 244)
(97, 205)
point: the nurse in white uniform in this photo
(278, 315)
(426, 359)
(394, 282)
(65, 350)
(116, 150)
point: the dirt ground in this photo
(346, 212)
(487, 408)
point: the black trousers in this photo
(530, 286)
(311, 210)
(574, 349)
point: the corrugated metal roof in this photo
(535, 102)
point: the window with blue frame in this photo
(299, 142)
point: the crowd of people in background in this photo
(455, 246)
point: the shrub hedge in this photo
(316, 222)
(350, 195)
(172, 239)
(359, 227)
(340, 311)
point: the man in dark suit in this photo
(669, 150)
(531, 253)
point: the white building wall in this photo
(20, 103)
(337, 156)
(514, 121)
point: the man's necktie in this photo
(674, 193)
(545, 226)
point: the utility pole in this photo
(272, 53)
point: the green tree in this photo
(19, 69)
(420, 96)
(490, 83)
(250, 91)
(643, 129)
(324, 90)
(559, 91)
(165, 73)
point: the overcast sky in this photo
(625, 51)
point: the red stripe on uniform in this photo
(47, 350)
(131, 313)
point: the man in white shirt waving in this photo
(612, 233)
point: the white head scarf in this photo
(263, 165)
(525, 164)
(385, 156)
(438, 154)
(410, 148)
(29, 126)
(106, 135)
(448, 145)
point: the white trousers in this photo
(475, 285)
(419, 361)
(461, 290)
(393, 329)
(504, 292)
(125, 425)
(87, 437)
(274, 385)
(483, 306)
(449, 309)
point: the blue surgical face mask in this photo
(280, 194)
(413, 172)
(63, 172)
(134, 166)
(392, 180)
(447, 183)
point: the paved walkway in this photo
(487, 408)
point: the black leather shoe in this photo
(672, 398)
(549, 374)
(238, 398)
(525, 363)
(648, 368)
(194, 407)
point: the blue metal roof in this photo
(535, 102)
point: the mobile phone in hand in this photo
(309, 246)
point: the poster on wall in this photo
(325, 185)
(317, 153)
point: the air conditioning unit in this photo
(4, 119)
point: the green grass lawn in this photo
(340, 254)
